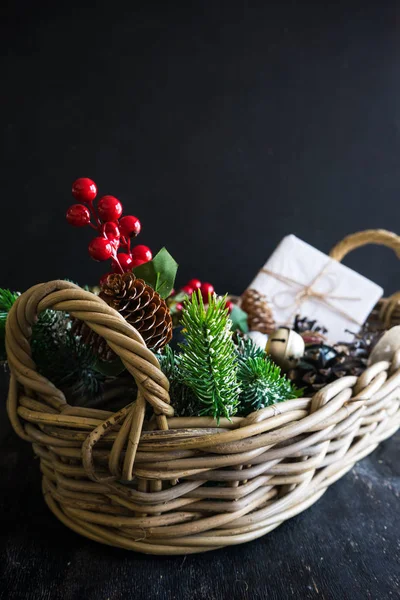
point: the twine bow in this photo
(308, 291)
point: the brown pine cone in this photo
(141, 306)
(310, 330)
(260, 317)
(90, 338)
(323, 364)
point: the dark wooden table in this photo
(346, 546)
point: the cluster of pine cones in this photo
(322, 363)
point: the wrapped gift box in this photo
(298, 279)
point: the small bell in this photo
(285, 347)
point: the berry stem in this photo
(124, 242)
(115, 259)
(95, 216)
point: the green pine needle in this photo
(183, 400)
(63, 358)
(260, 379)
(248, 349)
(7, 299)
(208, 360)
(169, 363)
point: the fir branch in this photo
(169, 363)
(208, 359)
(63, 358)
(246, 349)
(260, 379)
(183, 400)
(7, 299)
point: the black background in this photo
(223, 127)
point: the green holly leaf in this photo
(239, 319)
(160, 272)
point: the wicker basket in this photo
(185, 485)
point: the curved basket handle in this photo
(122, 338)
(363, 238)
(388, 308)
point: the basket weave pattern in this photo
(182, 485)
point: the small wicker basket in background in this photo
(183, 485)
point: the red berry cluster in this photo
(115, 231)
(196, 284)
(192, 286)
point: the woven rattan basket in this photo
(183, 485)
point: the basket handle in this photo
(122, 338)
(387, 306)
(362, 238)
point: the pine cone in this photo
(141, 306)
(92, 339)
(260, 317)
(322, 364)
(310, 330)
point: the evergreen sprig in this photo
(260, 379)
(7, 299)
(63, 358)
(246, 349)
(208, 360)
(169, 363)
(183, 399)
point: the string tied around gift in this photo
(308, 291)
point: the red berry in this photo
(78, 215)
(100, 249)
(130, 226)
(172, 293)
(188, 289)
(194, 283)
(142, 253)
(125, 260)
(179, 307)
(109, 208)
(104, 278)
(206, 289)
(84, 190)
(111, 230)
(229, 305)
(136, 262)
